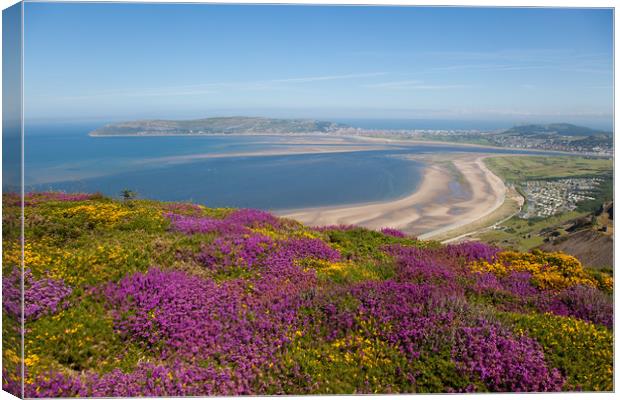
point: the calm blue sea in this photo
(64, 157)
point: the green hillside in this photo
(217, 125)
(143, 298)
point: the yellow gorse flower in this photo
(553, 271)
(591, 344)
(98, 214)
(39, 256)
(345, 269)
(95, 261)
(284, 235)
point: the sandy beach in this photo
(454, 192)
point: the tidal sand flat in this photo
(302, 149)
(433, 208)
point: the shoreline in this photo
(432, 209)
(363, 138)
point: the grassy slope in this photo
(94, 242)
(520, 168)
(522, 235)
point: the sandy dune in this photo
(434, 208)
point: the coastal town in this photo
(595, 145)
(550, 197)
(564, 137)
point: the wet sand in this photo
(435, 207)
(304, 149)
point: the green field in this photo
(523, 235)
(520, 168)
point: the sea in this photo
(63, 157)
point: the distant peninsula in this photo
(550, 137)
(217, 125)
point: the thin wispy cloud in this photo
(506, 60)
(542, 55)
(215, 87)
(414, 85)
(513, 67)
(328, 78)
(484, 67)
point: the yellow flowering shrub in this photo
(341, 271)
(39, 256)
(11, 349)
(74, 269)
(106, 214)
(607, 283)
(144, 215)
(581, 350)
(100, 263)
(70, 338)
(276, 234)
(604, 279)
(11, 356)
(549, 270)
(11, 363)
(270, 233)
(352, 364)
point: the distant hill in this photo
(560, 129)
(217, 125)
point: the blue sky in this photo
(125, 61)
